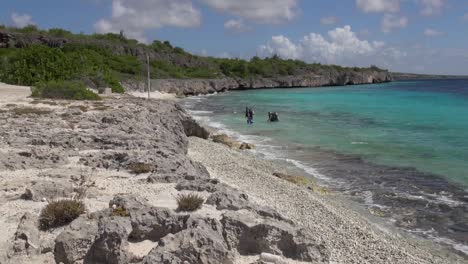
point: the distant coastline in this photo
(399, 76)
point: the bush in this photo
(189, 202)
(59, 213)
(72, 90)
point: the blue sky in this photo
(422, 36)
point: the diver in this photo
(249, 114)
(273, 117)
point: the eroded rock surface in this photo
(77, 149)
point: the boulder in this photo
(226, 140)
(111, 242)
(153, 223)
(128, 202)
(200, 185)
(72, 244)
(49, 190)
(229, 200)
(201, 246)
(246, 145)
(27, 236)
(250, 234)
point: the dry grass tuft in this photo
(140, 168)
(120, 211)
(189, 202)
(60, 212)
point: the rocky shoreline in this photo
(189, 87)
(53, 150)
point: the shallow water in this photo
(401, 148)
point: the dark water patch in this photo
(415, 200)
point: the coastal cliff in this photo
(208, 86)
(173, 70)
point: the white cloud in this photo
(432, 7)
(236, 25)
(21, 20)
(135, 17)
(429, 32)
(329, 20)
(390, 22)
(261, 11)
(378, 6)
(340, 46)
(465, 17)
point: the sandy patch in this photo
(154, 95)
(14, 94)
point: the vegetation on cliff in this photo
(72, 90)
(30, 55)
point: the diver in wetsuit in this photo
(273, 117)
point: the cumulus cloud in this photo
(390, 22)
(340, 46)
(329, 20)
(432, 7)
(236, 26)
(135, 17)
(429, 32)
(261, 11)
(21, 20)
(378, 6)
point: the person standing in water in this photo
(249, 115)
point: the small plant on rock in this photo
(189, 202)
(120, 211)
(139, 168)
(60, 212)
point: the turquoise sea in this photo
(399, 147)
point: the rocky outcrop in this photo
(251, 235)
(48, 190)
(107, 142)
(209, 86)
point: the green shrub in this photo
(113, 83)
(189, 202)
(39, 64)
(72, 90)
(59, 213)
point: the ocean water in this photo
(401, 148)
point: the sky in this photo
(418, 36)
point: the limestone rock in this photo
(245, 146)
(226, 140)
(200, 246)
(200, 185)
(251, 235)
(72, 244)
(111, 241)
(49, 190)
(153, 223)
(128, 202)
(229, 200)
(27, 236)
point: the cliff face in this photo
(207, 86)
(302, 77)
